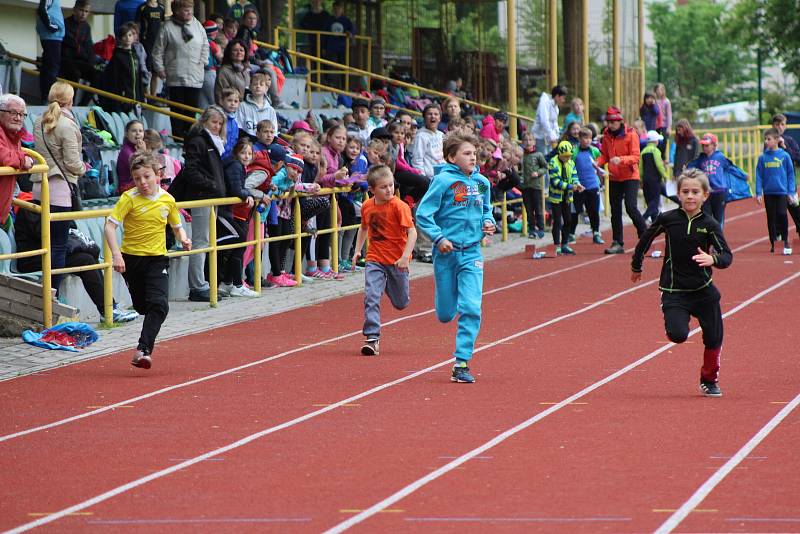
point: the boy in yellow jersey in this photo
(142, 213)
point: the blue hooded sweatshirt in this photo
(718, 168)
(456, 206)
(232, 134)
(55, 18)
(775, 173)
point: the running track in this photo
(584, 417)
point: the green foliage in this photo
(778, 31)
(701, 67)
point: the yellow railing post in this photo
(335, 233)
(257, 251)
(298, 243)
(212, 257)
(108, 285)
(524, 231)
(47, 257)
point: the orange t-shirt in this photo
(387, 226)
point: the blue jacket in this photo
(55, 19)
(775, 173)
(718, 168)
(125, 11)
(232, 134)
(282, 182)
(583, 159)
(456, 206)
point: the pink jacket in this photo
(334, 162)
(400, 163)
(489, 131)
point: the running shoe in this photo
(461, 375)
(571, 239)
(787, 251)
(224, 290)
(242, 291)
(124, 316)
(710, 389)
(371, 347)
(142, 360)
(331, 275)
(615, 248)
(597, 239)
(284, 281)
(567, 251)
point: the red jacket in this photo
(624, 145)
(11, 155)
(260, 162)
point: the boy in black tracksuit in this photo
(686, 286)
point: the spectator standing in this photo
(256, 107)
(534, 171)
(776, 188)
(575, 113)
(336, 47)
(665, 107)
(150, 17)
(58, 138)
(179, 54)
(685, 148)
(12, 116)
(238, 9)
(653, 175)
(204, 179)
(234, 72)
(719, 170)
(215, 56)
(585, 156)
(122, 75)
(50, 28)
(125, 11)
(545, 125)
(788, 144)
(77, 56)
(315, 19)
(650, 114)
(620, 150)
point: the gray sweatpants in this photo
(197, 262)
(380, 278)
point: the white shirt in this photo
(426, 151)
(546, 124)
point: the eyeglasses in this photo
(15, 114)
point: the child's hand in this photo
(535, 174)
(703, 259)
(341, 174)
(402, 263)
(356, 257)
(445, 246)
(759, 199)
(250, 202)
(579, 188)
(615, 160)
(489, 228)
(635, 277)
(118, 263)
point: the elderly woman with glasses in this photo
(12, 117)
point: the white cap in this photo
(654, 137)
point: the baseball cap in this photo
(564, 147)
(301, 125)
(654, 137)
(709, 139)
(380, 133)
(294, 161)
(613, 113)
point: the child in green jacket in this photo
(653, 174)
(563, 182)
(534, 170)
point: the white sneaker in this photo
(242, 291)
(124, 316)
(787, 252)
(224, 290)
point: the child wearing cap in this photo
(212, 64)
(719, 170)
(776, 188)
(563, 182)
(653, 174)
(377, 110)
(256, 106)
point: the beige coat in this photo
(183, 62)
(65, 143)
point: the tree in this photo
(778, 30)
(698, 63)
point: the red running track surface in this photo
(622, 457)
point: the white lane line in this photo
(702, 492)
(211, 454)
(212, 376)
(244, 441)
(419, 483)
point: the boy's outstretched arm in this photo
(402, 263)
(360, 239)
(642, 247)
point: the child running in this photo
(143, 212)
(776, 188)
(387, 221)
(456, 213)
(685, 284)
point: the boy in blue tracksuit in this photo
(719, 170)
(776, 188)
(456, 213)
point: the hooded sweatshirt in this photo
(717, 167)
(775, 173)
(250, 114)
(455, 207)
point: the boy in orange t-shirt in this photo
(387, 221)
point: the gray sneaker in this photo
(371, 347)
(615, 248)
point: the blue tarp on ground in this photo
(66, 336)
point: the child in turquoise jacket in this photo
(456, 213)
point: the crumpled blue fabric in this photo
(83, 334)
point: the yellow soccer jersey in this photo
(143, 221)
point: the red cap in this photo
(613, 113)
(301, 125)
(709, 139)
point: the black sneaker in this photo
(371, 347)
(199, 295)
(142, 360)
(710, 389)
(462, 375)
(615, 248)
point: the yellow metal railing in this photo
(360, 72)
(363, 42)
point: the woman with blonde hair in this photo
(58, 138)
